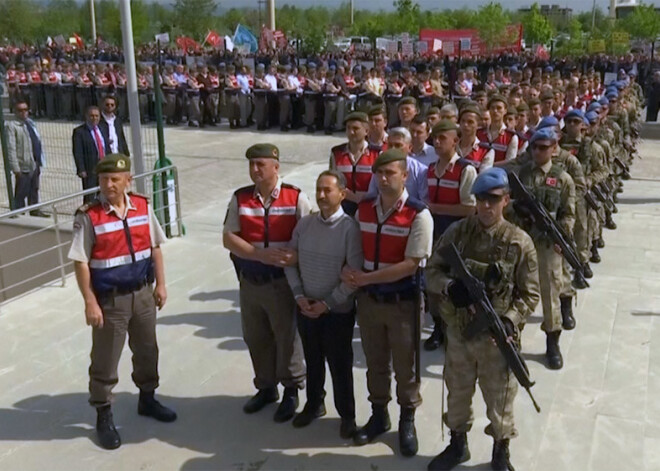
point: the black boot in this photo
(553, 354)
(579, 281)
(288, 406)
(407, 433)
(568, 321)
(150, 407)
(600, 243)
(456, 453)
(308, 414)
(595, 257)
(378, 423)
(609, 222)
(588, 274)
(105, 429)
(501, 458)
(261, 400)
(347, 428)
(435, 340)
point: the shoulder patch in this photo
(415, 204)
(87, 206)
(340, 147)
(139, 195)
(244, 189)
(290, 186)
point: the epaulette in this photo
(87, 206)
(290, 186)
(139, 195)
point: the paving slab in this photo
(599, 413)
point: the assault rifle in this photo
(625, 170)
(546, 224)
(490, 318)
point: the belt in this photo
(120, 291)
(392, 298)
(261, 279)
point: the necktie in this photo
(99, 143)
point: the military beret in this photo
(575, 113)
(548, 68)
(469, 108)
(311, 65)
(533, 101)
(592, 117)
(407, 100)
(356, 116)
(593, 106)
(548, 122)
(490, 179)
(612, 94)
(481, 94)
(545, 134)
(114, 163)
(268, 151)
(604, 101)
(496, 97)
(547, 95)
(620, 84)
(522, 107)
(388, 70)
(513, 69)
(376, 110)
(433, 110)
(443, 126)
(389, 156)
(413, 69)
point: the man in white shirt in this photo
(112, 126)
(421, 151)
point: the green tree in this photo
(18, 21)
(642, 23)
(574, 45)
(194, 17)
(61, 17)
(491, 21)
(407, 17)
(537, 28)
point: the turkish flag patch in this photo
(551, 181)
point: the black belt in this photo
(261, 279)
(392, 298)
(120, 291)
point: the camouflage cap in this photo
(389, 156)
(356, 116)
(265, 150)
(443, 126)
(114, 163)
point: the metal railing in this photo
(32, 249)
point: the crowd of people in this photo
(517, 171)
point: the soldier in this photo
(193, 91)
(260, 91)
(285, 90)
(355, 160)
(169, 86)
(333, 103)
(496, 136)
(522, 129)
(394, 89)
(377, 136)
(397, 233)
(68, 93)
(503, 257)
(116, 266)
(555, 190)
(52, 80)
(311, 95)
(468, 145)
(83, 90)
(407, 110)
(36, 91)
(257, 241)
(232, 89)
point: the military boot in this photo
(595, 257)
(261, 400)
(378, 423)
(553, 354)
(600, 243)
(287, 408)
(407, 433)
(609, 222)
(579, 281)
(456, 453)
(501, 458)
(568, 321)
(105, 429)
(588, 273)
(150, 407)
(435, 340)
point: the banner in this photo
(79, 42)
(229, 44)
(382, 43)
(243, 36)
(268, 37)
(422, 47)
(407, 49)
(470, 38)
(596, 45)
(437, 45)
(164, 38)
(187, 43)
(214, 39)
(392, 47)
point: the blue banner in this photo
(242, 35)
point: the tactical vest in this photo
(445, 190)
(500, 144)
(358, 175)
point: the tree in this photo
(643, 23)
(194, 17)
(537, 28)
(575, 44)
(492, 21)
(61, 17)
(407, 17)
(19, 20)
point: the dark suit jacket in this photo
(85, 154)
(122, 146)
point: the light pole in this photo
(271, 15)
(352, 6)
(92, 14)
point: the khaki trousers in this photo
(134, 313)
(550, 279)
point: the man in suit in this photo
(111, 125)
(90, 145)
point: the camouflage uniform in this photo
(514, 296)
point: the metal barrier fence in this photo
(33, 251)
(58, 176)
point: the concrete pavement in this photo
(598, 413)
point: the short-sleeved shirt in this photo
(232, 222)
(83, 232)
(468, 176)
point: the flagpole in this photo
(207, 35)
(93, 17)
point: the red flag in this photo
(214, 39)
(79, 41)
(542, 53)
(187, 43)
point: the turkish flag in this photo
(79, 41)
(214, 39)
(187, 43)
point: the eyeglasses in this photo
(541, 147)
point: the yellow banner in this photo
(620, 37)
(596, 45)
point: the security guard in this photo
(503, 257)
(117, 257)
(497, 136)
(355, 160)
(397, 233)
(258, 226)
(555, 190)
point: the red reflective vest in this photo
(445, 189)
(22, 77)
(52, 77)
(500, 144)
(234, 81)
(358, 175)
(476, 156)
(349, 81)
(428, 88)
(121, 255)
(250, 81)
(11, 75)
(215, 81)
(36, 76)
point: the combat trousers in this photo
(285, 109)
(260, 110)
(480, 359)
(134, 313)
(268, 317)
(330, 115)
(310, 108)
(233, 108)
(27, 186)
(594, 226)
(194, 112)
(244, 108)
(550, 279)
(387, 340)
(329, 337)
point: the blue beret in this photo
(586, 121)
(332, 67)
(548, 68)
(592, 117)
(604, 101)
(620, 85)
(593, 106)
(548, 121)
(612, 94)
(490, 179)
(574, 113)
(543, 134)
(513, 69)
(311, 65)
(413, 70)
(388, 70)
